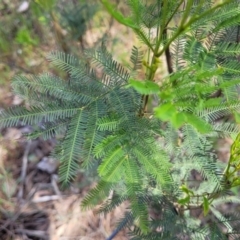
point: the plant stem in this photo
(168, 56)
(183, 27)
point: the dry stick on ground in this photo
(11, 234)
(33, 233)
(10, 224)
(46, 199)
(24, 170)
(13, 218)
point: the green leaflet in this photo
(11, 117)
(185, 200)
(168, 112)
(96, 194)
(144, 87)
(109, 167)
(108, 123)
(198, 123)
(70, 153)
(46, 4)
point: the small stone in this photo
(17, 100)
(48, 165)
(23, 7)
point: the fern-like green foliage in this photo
(161, 161)
(76, 17)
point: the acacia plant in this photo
(151, 137)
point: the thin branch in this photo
(46, 198)
(168, 55)
(33, 233)
(24, 170)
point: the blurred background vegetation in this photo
(31, 29)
